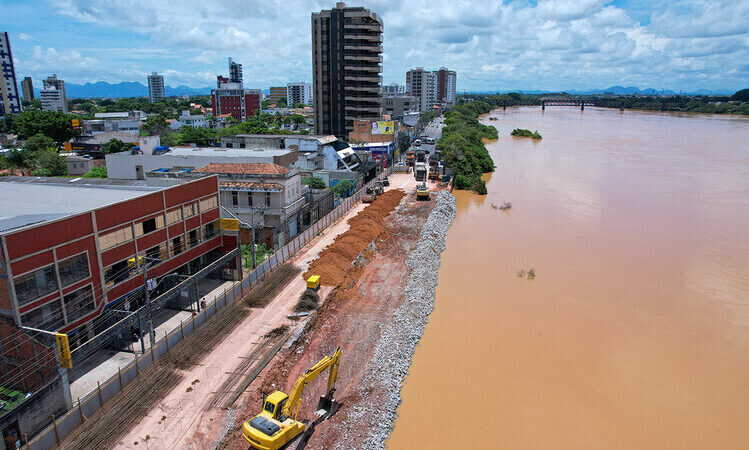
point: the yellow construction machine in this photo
(422, 191)
(276, 425)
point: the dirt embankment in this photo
(358, 317)
(336, 258)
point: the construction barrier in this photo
(83, 408)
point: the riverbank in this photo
(392, 280)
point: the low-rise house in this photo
(136, 164)
(79, 165)
(323, 157)
(192, 120)
(267, 199)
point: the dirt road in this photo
(186, 417)
(352, 318)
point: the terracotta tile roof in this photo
(248, 185)
(244, 169)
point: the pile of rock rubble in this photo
(396, 345)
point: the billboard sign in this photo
(383, 127)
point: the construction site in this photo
(376, 271)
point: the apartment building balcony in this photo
(362, 58)
(365, 27)
(373, 38)
(362, 47)
(372, 68)
(365, 78)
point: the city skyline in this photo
(554, 45)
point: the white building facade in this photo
(53, 95)
(299, 93)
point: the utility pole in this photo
(151, 331)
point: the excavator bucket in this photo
(326, 407)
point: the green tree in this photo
(96, 172)
(316, 183)
(20, 159)
(38, 143)
(742, 95)
(156, 125)
(56, 125)
(199, 136)
(116, 146)
(343, 187)
(404, 141)
(50, 164)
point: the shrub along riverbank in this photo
(462, 141)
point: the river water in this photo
(634, 333)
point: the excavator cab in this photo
(276, 424)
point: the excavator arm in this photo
(331, 361)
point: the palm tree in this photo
(20, 159)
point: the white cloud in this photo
(25, 37)
(554, 44)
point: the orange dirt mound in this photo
(335, 259)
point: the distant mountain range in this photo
(620, 90)
(123, 90)
(136, 89)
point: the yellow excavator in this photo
(276, 425)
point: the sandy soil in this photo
(353, 318)
(184, 419)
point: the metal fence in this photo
(87, 406)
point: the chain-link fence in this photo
(87, 406)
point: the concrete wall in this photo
(35, 412)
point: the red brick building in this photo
(71, 249)
(239, 103)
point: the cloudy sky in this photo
(492, 44)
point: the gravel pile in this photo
(395, 348)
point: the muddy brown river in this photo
(634, 333)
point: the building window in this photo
(173, 216)
(177, 246)
(208, 204)
(156, 254)
(120, 271)
(114, 238)
(235, 198)
(193, 238)
(210, 230)
(79, 303)
(73, 269)
(46, 317)
(150, 225)
(267, 199)
(191, 210)
(35, 284)
(249, 199)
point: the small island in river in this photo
(521, 132)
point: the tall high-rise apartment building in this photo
(446, 86)
(156, 90)
(27, 88)
(298, 93)
(431, 88)
(53, 95)
(230, 98)
(235, 73)
(346, 63)
(10, 102)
